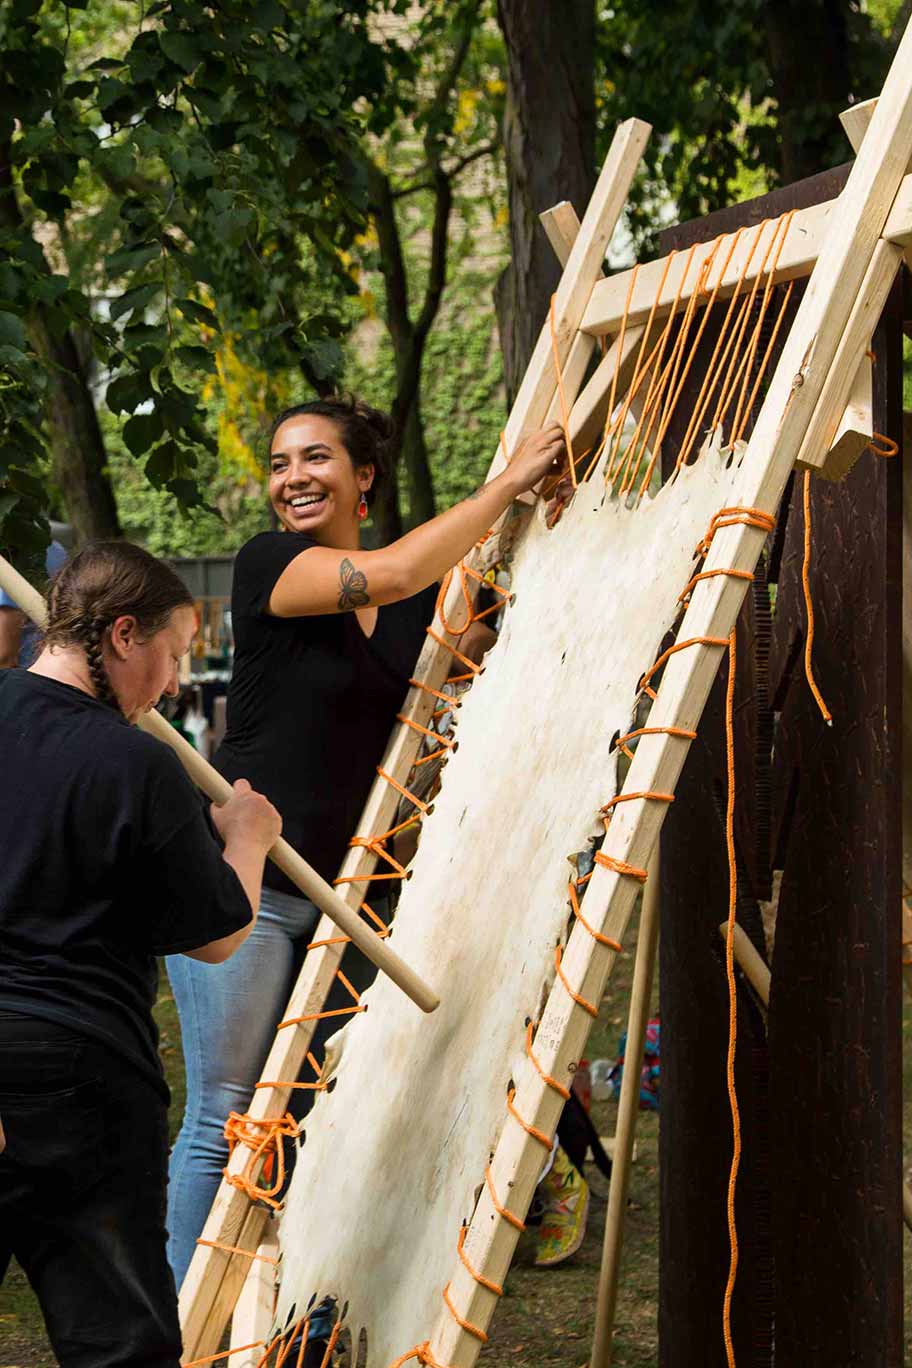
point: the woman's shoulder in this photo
(259, 564)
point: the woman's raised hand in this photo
(539, 454)
(247, 816)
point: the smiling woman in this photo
(326, 639)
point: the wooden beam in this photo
(628, 1111)
(802, 245)
(253, 1314)
(819, 450)
(855, 225)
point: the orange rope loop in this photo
(680, 646)
(263, 1137)
(379, 923)
(422, 1353)
(621, 743)
(319, 1016)
(629, 798)
(729, 517)
(551, 1082)
(619, 866)
(236, 1249)
(732, 997)
(479, 1277)
(536, 1134)
(711, 574)
(809, 605)
(226, 1353)
(508, 1216)
(580, 1001)
(881, 445)
(464, 660)
(575, 905)
(475, 1330)
(394, 783)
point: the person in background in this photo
(19, 637)
(107, 859)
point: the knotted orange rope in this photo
(263, 1137)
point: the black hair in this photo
(366, 432)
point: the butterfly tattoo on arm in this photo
(353, 587)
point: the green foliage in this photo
(706, 78)
(171, 166)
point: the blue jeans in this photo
(228, 1016)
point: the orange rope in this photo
(536, 1134)
(226, 1353)
(508, 1216)
(883, 446)
(236, 1249)
(319, 1016)
(475, 1330)
(580, 1001)
(619, 866)
(479, 1277)
(732, 997)
(806, 584)
(422, 1353)
(243, 1130)
(682, 732)
(596, 935)
(551, 1082)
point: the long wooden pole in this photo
(288, 860)
(628, 1111)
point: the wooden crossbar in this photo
(204, 1303)
(800, 251)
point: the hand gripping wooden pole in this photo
(288, 860)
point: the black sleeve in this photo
(258, 567)
(191, 894)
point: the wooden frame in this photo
(843, 288)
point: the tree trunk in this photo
(808, 52)
(77, 446)
(422, 504)
(549, 142)
(78, 453)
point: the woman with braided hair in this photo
(108, 858)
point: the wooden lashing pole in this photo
(219, 790)
(628, 1111)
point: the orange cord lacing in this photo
(263, 1137)
(732, 997)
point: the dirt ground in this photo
(546, 1317)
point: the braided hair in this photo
(366, 433)
(103, 582)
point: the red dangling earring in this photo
(362, 507)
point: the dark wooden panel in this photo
(824, 805)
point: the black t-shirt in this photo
(107, 859)
(312, 702)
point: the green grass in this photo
(545, 1319)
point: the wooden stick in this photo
(856, 223)
(808, 232)
(628, 1112)
(289, 861)
(750, 962)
